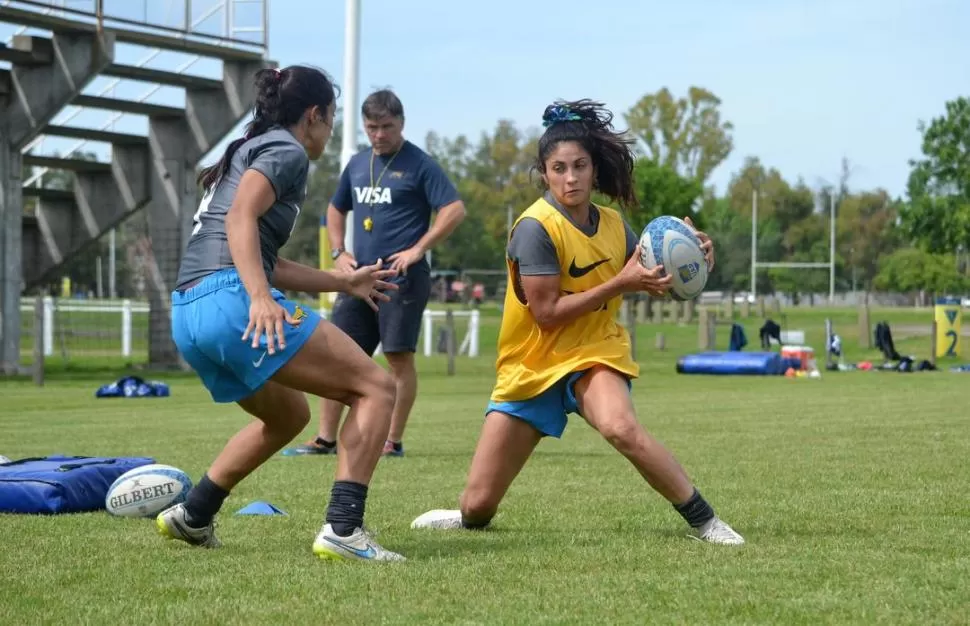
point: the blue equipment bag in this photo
(133, 387)
(61, 484)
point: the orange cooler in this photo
(804, 354)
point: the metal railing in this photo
(96, 10)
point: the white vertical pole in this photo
(427, 332)
(473, 331)
(832, 250)
(754, 244)
(126, 328)
(112, 270)
(48, 326)
(350, 94)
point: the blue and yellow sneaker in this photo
(172, 524)
(358, 546)
(315, 446)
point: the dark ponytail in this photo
(591, 125)
(282, 97)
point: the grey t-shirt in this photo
(283, 161)
(532, 248)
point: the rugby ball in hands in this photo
(670, 242)
(147, 490)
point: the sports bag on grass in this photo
(61, 484)
(133, 387)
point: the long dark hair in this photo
(590, 124)
(282, 96)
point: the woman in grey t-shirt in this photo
(251, 345)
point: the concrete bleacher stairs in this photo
(154, 172)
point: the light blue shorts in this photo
(208, 321)
(548, 412)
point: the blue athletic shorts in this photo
(548, 411)
(208, 321)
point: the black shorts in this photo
(396, 325)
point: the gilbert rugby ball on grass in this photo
(147, 490)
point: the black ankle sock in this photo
(346, 509)
(323, 442)
(397, 445)
(203, 502)
(696, 510)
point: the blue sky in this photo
(804, 82)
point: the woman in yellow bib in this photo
(560, 349)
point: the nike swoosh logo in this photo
(579, 272)
(369, 553)
(259, 361)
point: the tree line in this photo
(918, 242)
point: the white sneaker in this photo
(441, 519)
(172, 524)
(359, 546)
(716, 531)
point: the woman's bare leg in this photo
(603, 398)
(504, 446)
(328, 364)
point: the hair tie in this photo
(278, 72)
(559, 113)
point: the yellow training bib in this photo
(530, 360)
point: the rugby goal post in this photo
(755, 264)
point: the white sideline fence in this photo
(469, 343)
(125, 309)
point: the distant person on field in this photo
(560, 349)
(478, 294)
(391, 190)
(252, 346)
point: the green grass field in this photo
(849, 490)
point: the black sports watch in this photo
(336, 253)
